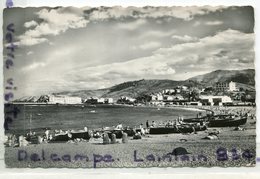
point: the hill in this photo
(140, 87)
(132, 89)
(246, 77)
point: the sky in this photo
(70, 49)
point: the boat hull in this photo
(80, 135)
(172, 130)
(228, 123)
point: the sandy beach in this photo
(150, 151)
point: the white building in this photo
(215, 100)
(169, 98)
(168, 91)
(184, 88)
(178, 90)
(157, 97)
(232, 86)
(109, 100)
(62, 99)
(101, 100)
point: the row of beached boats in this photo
(190, 125)
(86, 135)
(226, 120)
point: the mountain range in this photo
(244, 78)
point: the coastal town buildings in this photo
(172, 98)
(62, 99)
(126, 100)
(231, 86)
(180, 95)
(96, 100)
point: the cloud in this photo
(209, 23)
(184, 39)
(148, 45)
(29, 53)
(186, 13)
(157, 34)
(229, 49)
(57, 21)
(29, 41)
(207, 53)
(213, 22)
(30, 24)
(196, 23)
(150, 67)
(33, 66)
(132, 25)
(54, 22)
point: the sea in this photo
(38, 118)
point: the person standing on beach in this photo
(147, 124)
(47, 133)
(153, 124)
(142, 129)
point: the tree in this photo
(194, 95)
(143, 98)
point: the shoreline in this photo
(194, 110)
(185, 107)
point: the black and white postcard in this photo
(121, 87)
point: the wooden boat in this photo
(228, 122)
(61, 138)
(71, 136)
(179, 129)
(162, 130)
(81, 135)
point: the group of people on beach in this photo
(218, 110)
(169, 123)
